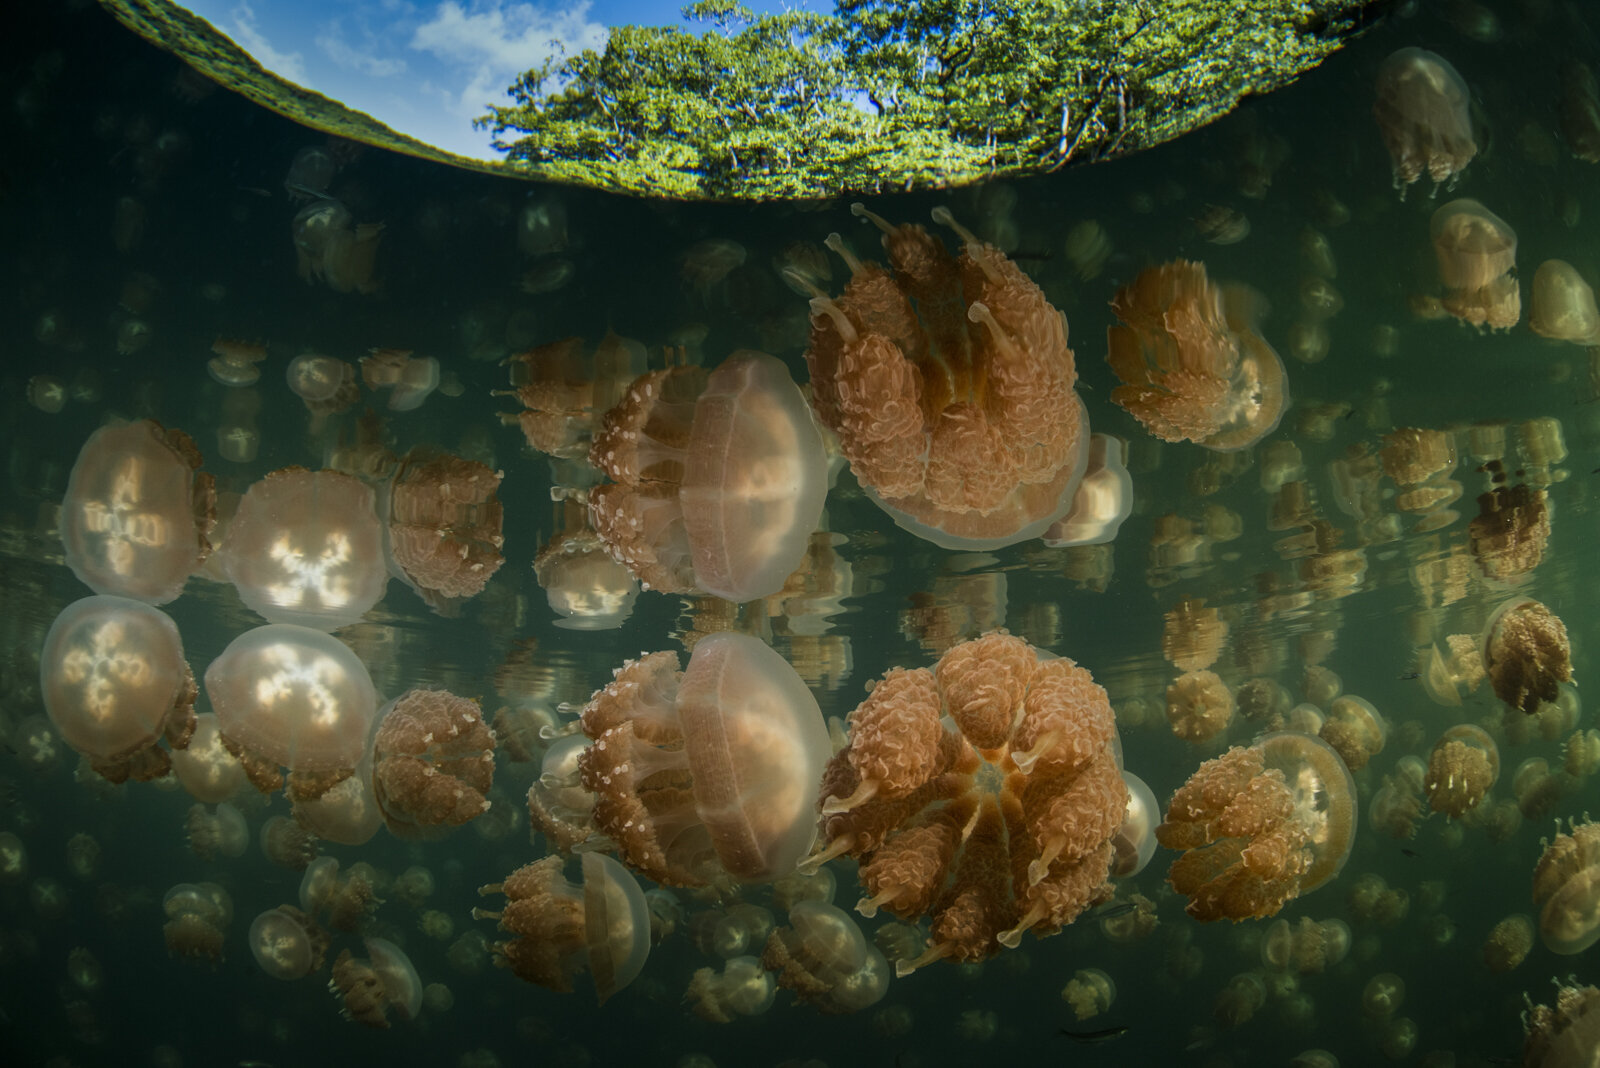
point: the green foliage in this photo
(897, 94)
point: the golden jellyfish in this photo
(1090, 992)
(742, 988)
(370, 989)
(1563, 305)
(348, 900)
(235, 362)
(286, 943)
(1192, 635)
(1260, 827)
(443, 529)
(1536, 788)
(331, 246)
(1001, 822)
(287, 844)
(217, 831)
(950, 385)
(559, 804)
(1192, 363)
(1421, 109)
(1508, 943)
(1463, 766)
(136, 518)
(197, 915)
(823, 957)
(1565, 1035)
(409, 380)
(1400, 802)
(585, 587)
(717, 481)
(292, 697)
(305, 547)
(1199, 706)
(325, 384)
(565, 393)
(432, 763)
(204, 767)
(1355, 729)
(1239, 1001)
(1510, 532)
(1103, 500)
(115, 684)
(557, 928)
(1566, 886)
(1526, 654)
(710, 773)
(346, 813)
(1477, 255)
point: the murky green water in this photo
(130, 198)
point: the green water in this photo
(93, 117)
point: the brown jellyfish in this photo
(1477, 255)
(998, 826)
(1199, 706)
(325, 384)
(1526, 654)
(586, 588)
(136, 518)
(558, 929)
(331, 246)
(1509, 534)
(1090, 992)
(950, 385)
(708, 774)
(1566, 883)
(432, 763)
(235, 362)
(1260, 827)
(1421, 109)
(1566, 1035)
(287, 844)
(217, 831)
(1464, 764)
(1192, 364)
(717, 481)
(292, 697)
(443, 528)
(1508, 943)
(305, 548)
(1355, 729)
(564, 393)
(370, 989)
(409, 380)
(348, 900)
(197, 916)
(1193, 635)
(1563, 305)
(286, 943)
(823, 957)
(115, 684)
(742, 988)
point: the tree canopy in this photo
(899, 94)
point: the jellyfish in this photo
(115, 684)
(1199, 706)
(1090, 992)
(1510, 532)
(950, 385)
(1508, 943)
(925, 806)
(585, 587)
(1526, 654)
(558, 928)
(220, 830)
(1355, 729)
(288, 696)
(325, 384)
(348, 900)
(136, 518)
(287, 844)
(83, 856)
(286, 943)
(1567, 1034)
(1463, 766)
(742, 988)
(1260, 827)
(1566, 885)
(369, 989)
(331, 246)
(1238, 1002)
(1383, 995)
(204, 767)
(559, 804)
(1400, 802)
(1563, 305)
(1102, 501)
(346, 813)
(822, 956)
(433, 762)
(197, 916)
(716, 488)
(443, 527)
(565, 393)
(708, 774)
(1421, 109)
(1192, 364)
(1192, 635)
(1477, 255)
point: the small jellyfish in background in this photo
(286, 943)
(1509, 534)
(444, 527)
(409, 380)
(1356, 730)
(13, 859)
(1464, 765)
(951, 387)
(47, 393)
(83, 856)
(1090, 992)
(287, 844)
(1421, 108)
(558, 928)
(1260, 827)
(221, 830)
(1476, 251)
(115, 684)
(292, 697)
(234, 363)
(564, 392)
(373, 988)
(305, 547)
(1508, 943)
(348, 901)
(204, 767)
(707, 263)
(1199, 706)
(197, 918)
(1192, 363)
(822, 956)
(325, 384)
(1526, 654)
(432, 763)
(1192, 635)
(332, 247)
(585, 587)
(136, 518)
(1566, 886)
(709, 773)
(742, 988)
(347, 812)
(717, 480)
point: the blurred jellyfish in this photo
(409, 381)
(1355, 729)
(1563, 305)
(565, 393)
(1421, 109)
(1477, 256)
(221, 830)
(1508, 943)
(1260, 827)
(348, 900)
(346, 812)
(558, 928)
(310, 173)
(1192, 635)
(115, 683)
(136, 517)
(286, 943)
(326, 385)
(433, 762)
(287, 844)
(330, 246)
(292, 697)
(1216, 382)
(1566, 884)
(205, 768)
(83, 856)
(369, 989)
(822, 956)
(443, 532)
(304, 547)
(1102, 501)
(950, 385)
(742, 988)
(197, 916)
(13, 859)
(1090, 992)
(1526, 654)
(715, 487)
(1509, 535)
(235, 362)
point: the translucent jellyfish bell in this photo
(616, 924)
(281, 944)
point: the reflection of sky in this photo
(428, 67)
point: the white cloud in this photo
(288, 65)
(335, 47)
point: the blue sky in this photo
(428, 67)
